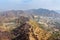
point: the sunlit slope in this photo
(39, 33)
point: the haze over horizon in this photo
(29, 4)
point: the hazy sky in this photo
(29, 4)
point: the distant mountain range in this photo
(44, 12)
(41, 12)
(57, 11)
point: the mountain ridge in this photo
(40, 11)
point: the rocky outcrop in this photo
(27, 30)
(30, 31)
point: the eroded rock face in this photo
(22, 32)
(38, 33)
(28, 32)
(5, 36)
(25, 32)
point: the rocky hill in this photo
(30, 31)
(27, 30)
(18, 25)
